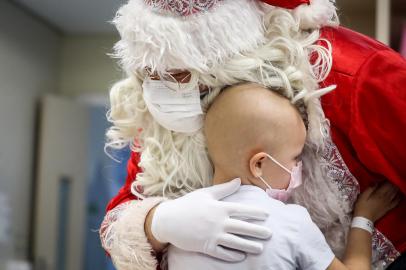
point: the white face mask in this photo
(174, 106)
(295, 181)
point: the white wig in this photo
(274, 50)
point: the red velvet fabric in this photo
(290, 4)
(367, 113)
(124, 194)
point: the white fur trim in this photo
(196, 42)
(316, 15)
(122, 235)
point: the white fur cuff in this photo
(123, 236)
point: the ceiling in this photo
(75, 16)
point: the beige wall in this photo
(29, 60)
(85, 66)
(358, 15)
(363, 23)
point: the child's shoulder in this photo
(299, 210)
(281, 215)
(290, 215)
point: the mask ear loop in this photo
(279, 164)
(266, 184)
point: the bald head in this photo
(246, 119)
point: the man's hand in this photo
(200, 222)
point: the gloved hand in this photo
(200, 222)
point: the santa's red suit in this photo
(367, 113)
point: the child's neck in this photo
(221, 177)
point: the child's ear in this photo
(256, 164)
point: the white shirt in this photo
(296, 242)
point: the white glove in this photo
(200, 222)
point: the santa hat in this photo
(290, 4)
(183, 34)
(197, 35)
(311, 13)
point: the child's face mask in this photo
(295, 181)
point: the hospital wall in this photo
(86, 66)
(29, 61)
(358, 15)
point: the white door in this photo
(60, 194)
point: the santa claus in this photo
(179, 55)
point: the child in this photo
(259, 138)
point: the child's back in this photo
(296, 241)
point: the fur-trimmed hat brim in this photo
(196, 42)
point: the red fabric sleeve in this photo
(378, 130)
(367, 113)
(124, 194)
(378, 116)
